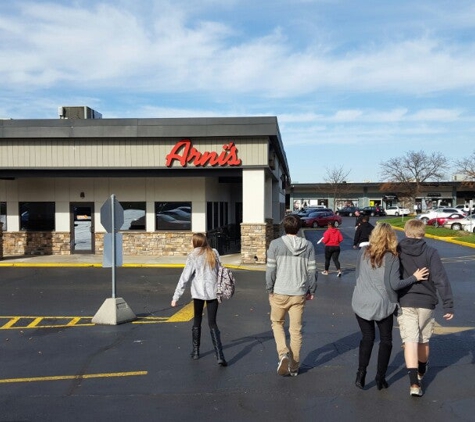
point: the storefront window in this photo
(173, 215)
(37, 216)
(3, 214)
(134, 215)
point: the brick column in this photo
(255, 239)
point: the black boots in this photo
(196, 337)
(381, 382)
(215, 337)
(360, 378)
(218, 347)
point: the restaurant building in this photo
(173, 177)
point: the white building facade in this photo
(173, 177)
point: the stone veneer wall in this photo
(152, 244)
(35, 243)
(55, 243)
(255, 239)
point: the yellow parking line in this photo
(74, 321)
(184, 314)
(151, 320)
(74, 377)
(35, 322)
(10, 323)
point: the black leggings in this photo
(368, 331)
(212, 307)
(332, 252)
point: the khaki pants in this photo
(280, 306)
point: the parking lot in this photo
(56, 365)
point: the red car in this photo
(320, 219)
(440, 221)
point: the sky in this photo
(352, 83)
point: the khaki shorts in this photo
(416, 324)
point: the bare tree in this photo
(466, 167)
(336, 178)
(407, 174)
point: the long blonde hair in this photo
(383, 239)
(200, 241)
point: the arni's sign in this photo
(185, 153)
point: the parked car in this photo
(441, 220)
(347, 211)
(469, 224)
(439, 212)
(372, 211)
(397, 211)
(457, 223)
(465, 208)
(167, 222)
(305, 212)
(320, 219)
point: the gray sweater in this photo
(375, 297)
(203, 278)
(291, 266)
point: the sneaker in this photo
(416, 391)
(338, 274)
(283, 366)
(294, 373)
(325, 272)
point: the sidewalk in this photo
(91, 260)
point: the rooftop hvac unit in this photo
(78, 112)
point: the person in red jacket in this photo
(332, 239)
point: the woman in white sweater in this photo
(201, 269)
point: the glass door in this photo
(82, 227)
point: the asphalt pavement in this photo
(56, 365)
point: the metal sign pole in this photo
(113, 245)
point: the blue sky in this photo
(353, 83)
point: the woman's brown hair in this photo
(200, 241)
(382, 239)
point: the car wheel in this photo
(425, 220)
(396, 214)
(350, 214)
(372, 214)
(456, 226)
(315, 225)
(336, 223)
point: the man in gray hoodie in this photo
(291, 280)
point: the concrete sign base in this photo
(114, 311)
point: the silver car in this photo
(469, 224)
(396, 211)
(439, 212)
(457, 223)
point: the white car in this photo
(397, 211)
(456, 223)
(469, 225)
(465, 208)
(439, 212)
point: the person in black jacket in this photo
(359, 218)
(363, 231)
(416, 317)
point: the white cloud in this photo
(109, 46)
